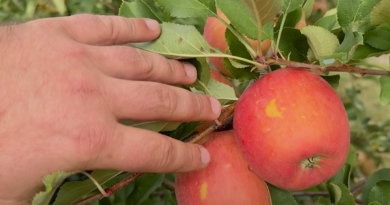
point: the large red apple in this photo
(214, 33)
(292, 129)
(227, 179)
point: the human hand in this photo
(64, 86)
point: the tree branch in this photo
(225, 119)
(344, 68)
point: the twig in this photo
(344, 68)
(311, 193)
(110, 190)
(225, 119)
(358, 188)
(169, 184)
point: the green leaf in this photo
(51, 182)
(323, 201)
(280, 197)
(244, 22)
(343, 175)
(366, 51)
(138, 9)
(327, 22)
(73, 191)
(380, 192)
(202, 68)
(308, 7)
(293, 44)
(240, 74)
(333, 80)
(342, 194)
(220, 91)
(155, 126)
(351, 11)
(171, 126)
(236, 47)
(144, 186)
(291, 5)
(374, 203)
(321, 41)
(180, 42)
(379, 38)
(352, 156)
(184, 130)
(292, 19)
(268, 31)
(266, 10)
(351, 41)
(188, 8)
(383, 174)
(385, 90)
(380, 14)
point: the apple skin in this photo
(214, 34)
(227, 179)
(287, 118)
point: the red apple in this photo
(214, 33)
(227, 179)
(292, 128)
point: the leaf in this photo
(385, 90)
(188, 8)
(138, 9)
(293, 44)
(179, 42)
(144, 186)
(380, 192)
(352, 156)
(308, 7)
(383, 174)
(343, 175)
(184, 130)
(220, 91)
(280, 197)
(73, 191)
(380, 14)
(327, 22)
(202, 68)
(291, 5)
(171, 126)
(351, 11)
(292, 19)
(323, 201)
(379, 37)
(244, 22)
(268, 31)
(374, 203)
(236, 47)
(321, 41)
(240, 74)
(342, 194)
(366, 51)
(51, 182)
(265, 9)
(351, 41)
(333, 80)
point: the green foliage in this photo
(383, 174)
(51, 182)
(280, 197)
(342, 195)
(380, 193)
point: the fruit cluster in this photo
(290, 130)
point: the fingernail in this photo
(204, 155)
(152, 24)
(190, 70)
(215, 106)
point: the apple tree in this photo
(287, 134)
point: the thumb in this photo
(110, 30)
(138, 150)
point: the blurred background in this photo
(369, 120)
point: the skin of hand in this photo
(64, 85)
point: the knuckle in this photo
(89, 142)
(145, 62)
(82, 85)
(167, 101)
(166, 155)
(198, 105)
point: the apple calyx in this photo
(310, 163)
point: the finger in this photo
(110, 30)
(137, 150)
(154, 101)
(133, 64)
